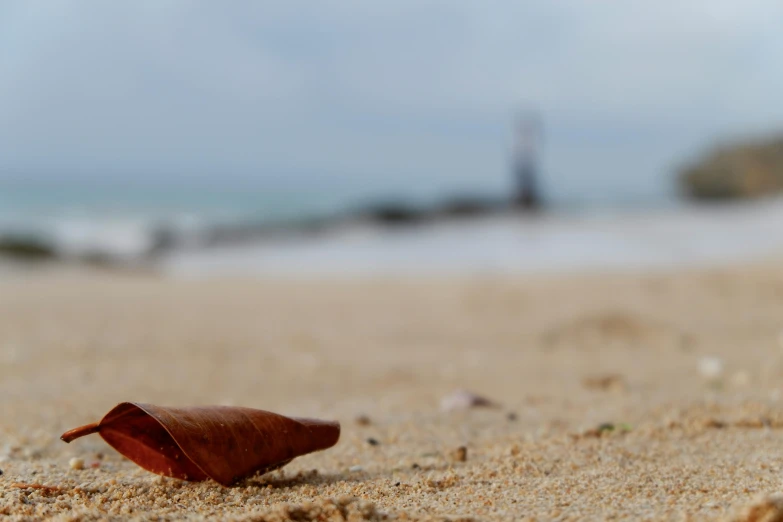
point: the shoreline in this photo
(509, 245)
(501, 242)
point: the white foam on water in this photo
(510, 244)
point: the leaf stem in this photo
(75, 433)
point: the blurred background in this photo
(256, 137)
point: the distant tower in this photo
(528, 136)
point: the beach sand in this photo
(639, 397)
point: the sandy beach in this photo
(637, 397)
(401, 261)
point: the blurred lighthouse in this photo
(528, 138)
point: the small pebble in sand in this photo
(363, 420)
(355, 469)
(607, 382)
(740, 379)
(76, 463)
(512, 417)
(711, 368)
(463, 400)
(459, 455)
(372, 442)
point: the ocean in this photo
(223, 229)
(120, 219)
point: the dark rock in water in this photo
(394, 214)
(99, 259)
(467, 208)
(738, 171)
(28, 249)
(163, 240)
(23, 248)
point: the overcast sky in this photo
(400, 90)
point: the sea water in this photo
(122, 220)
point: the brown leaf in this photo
(223, 443)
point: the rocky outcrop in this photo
(739, 171)
(24, 248)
